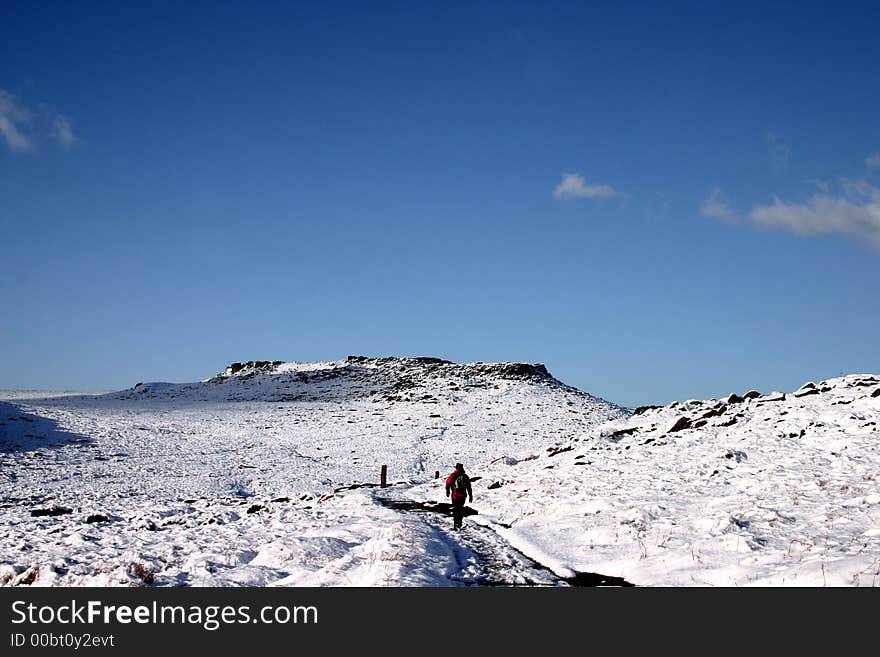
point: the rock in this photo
(255, 507)
(768, 398)
(700, 423)
(876, 393)
(713, 412)
(734, 398)
(28, 577)
(680, 424)
(97, 517)
(644, 409)
(494, 485)
(736, 454)
(254, 366)
(53, 511)
(751, 394)
(141, 571)
(809, 385)
(146, 523)
(553, 451)
(804, 392)
(620, 433)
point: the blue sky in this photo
(658, 202)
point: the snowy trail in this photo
(482, 557)
(485, 558)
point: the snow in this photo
(757, 502)
(266, 477)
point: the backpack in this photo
(460, 484)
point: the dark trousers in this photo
(457, 512)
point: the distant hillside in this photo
(356, 377)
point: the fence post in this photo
(384, 481)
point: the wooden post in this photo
(436, 474)
(384, 482)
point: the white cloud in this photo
(856, 214)
(873, 161)
(717, 207)
(14, 122)
(62, 131)
(23, 128)
(574, 186)
(780, 152)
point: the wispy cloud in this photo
(822, 185)
(856, 214)
(575, 186)
(853, 212)
(22, 128)
(873, 161)
(780, 152)
(716, 206)
(62, 131)
(14, 122)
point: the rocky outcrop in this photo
(251, 367)
(771, 398)
(425, 380)
(680, 424)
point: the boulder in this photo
(53, 511)
(553, 451)
(752, 394)
(620, 433)
(680, 424)
(712, 412)
(734, 398)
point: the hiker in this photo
(458, 484)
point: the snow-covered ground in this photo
(234, 480)
(771, 490)
(264, 475)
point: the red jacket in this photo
(456, 495)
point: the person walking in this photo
(458, 486)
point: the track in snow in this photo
(484, 558)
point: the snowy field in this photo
(265, 475)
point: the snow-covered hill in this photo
(177, 467)
(775, 489)
(264, 475)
